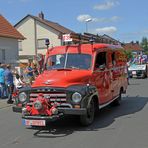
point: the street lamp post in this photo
(86, 21)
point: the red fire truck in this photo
(78, 79)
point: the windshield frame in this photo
(65, 65)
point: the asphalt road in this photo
(125, 126)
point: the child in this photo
(18, 82)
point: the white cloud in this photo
(129, 36)
(106, 20)
(145, 31)
(115, 18)
(106, 30)
(84, 17)
(107, 5)
(138, 33)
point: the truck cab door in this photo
(114, 74)
(101, 77)
(118, 71)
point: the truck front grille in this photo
(52, 97)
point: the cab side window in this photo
(100, 60)
(113, 59)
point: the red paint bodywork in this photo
(107, 82)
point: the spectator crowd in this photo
(11, 80)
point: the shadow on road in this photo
(69, 125)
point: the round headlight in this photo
(22, 97)
(76, 97)
(38, 105)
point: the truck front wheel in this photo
(89, 117)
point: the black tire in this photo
(144, 75)
(89, 117)
(117, 102)
(146, 72)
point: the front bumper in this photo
(137, 73)
(46, 118)
(62, 111)
(66, 111)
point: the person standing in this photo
(29, 71)
(2, 81)
(35, 70)
(9, 83)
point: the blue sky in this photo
(125, 20)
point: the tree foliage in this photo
(144, 44)
(128, 53)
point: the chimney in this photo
(41, 15)
(137, 42)
(132, 42)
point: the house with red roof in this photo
(134, 47)
(9, 46)
(37, 29)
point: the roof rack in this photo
(77, 38)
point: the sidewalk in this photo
(3, 103)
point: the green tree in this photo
(146, 52)
(128, 53)
(144, 44)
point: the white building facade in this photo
(9, 38)
(37, 30)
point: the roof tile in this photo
(51, 24)
(132, 46)
(7, 30)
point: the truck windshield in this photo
(69, 61)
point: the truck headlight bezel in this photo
(76, 97)
(22, 97)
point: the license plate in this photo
(34, 122)
(133, 72)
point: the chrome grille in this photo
(59, 97)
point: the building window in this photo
(20, 45)
(3, 55)
(41, 44)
